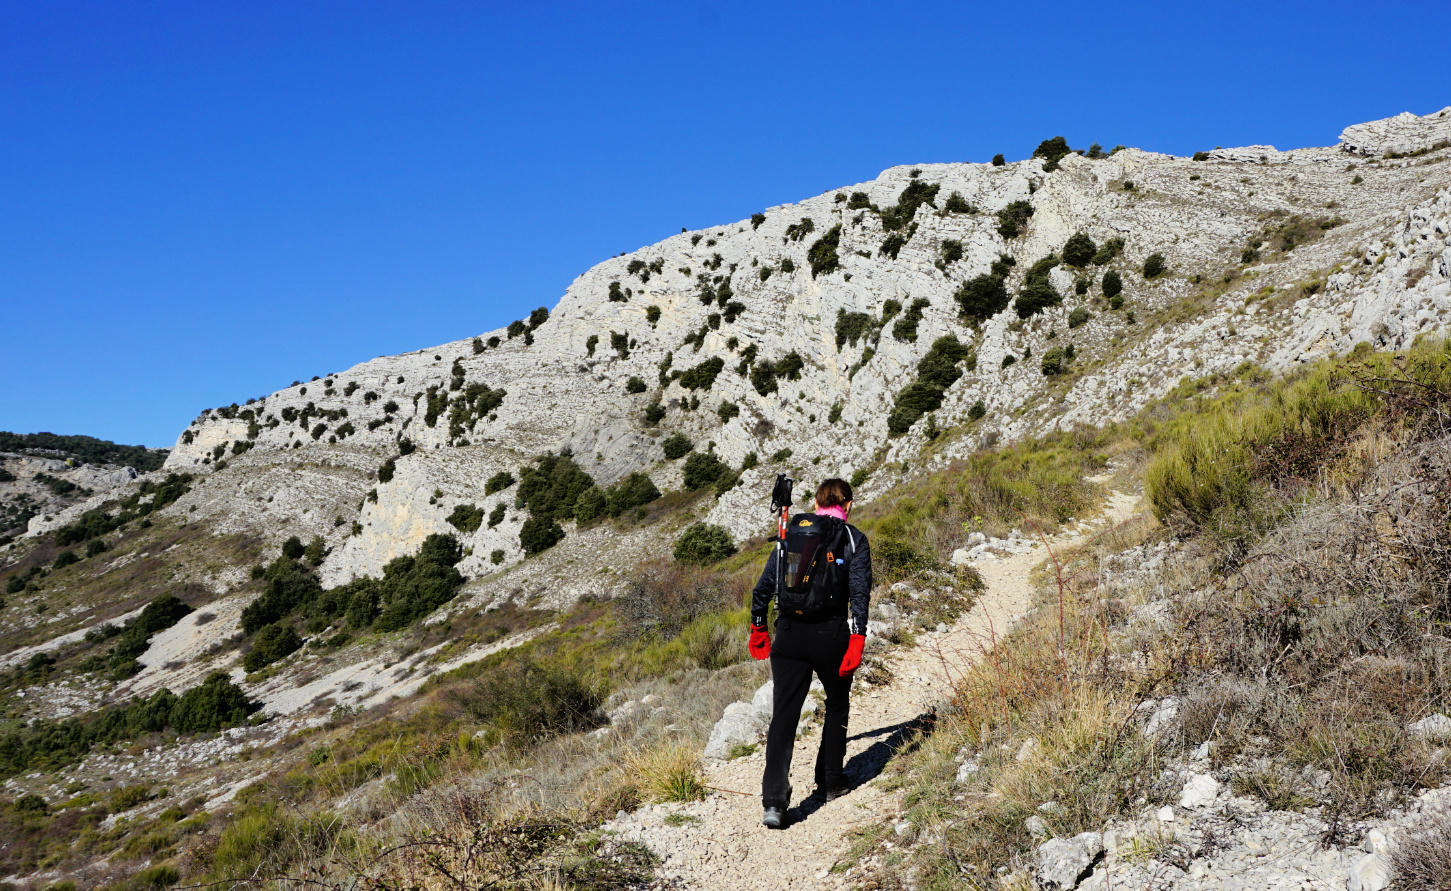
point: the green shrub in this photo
(466, 518)
(1013, 218)
(538, 317)
(590, 343)
(780, 455)
(1154, 265)
(704, 543)
(496, 516)
(1055, 361)
(1078, 317)
(635, 385)
(590, 505)
(498, 482)
(822, 255)
(539, 534)
(1079, 251)
(951, 250)
(620, 343)
(977, 412)
(516, 328)
(528, 700)
(859, 476)
(727, 411)
(835, 414)
(677, 445)
(982, 297)
(905, 328)
(916, 194)
(654, 413)
(850, 326)
(635, 490)
(1035, 296)
(702, 376)
(703, 469)
(1108, 250)
(549, 487)
(496, 556)
(1201, 156)
(936, 371)
(998, 160)
(616, 295)
(892, 245)
(64, 559)
(652, 314)
(386, 470)
(798, 231)
(757, 219)
(272, 643)
(958, 204)
(788, 265)
(1052, 150)
(1113, 285)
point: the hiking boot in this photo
(833, 792)
(773, 818)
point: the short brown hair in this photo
(833, 493)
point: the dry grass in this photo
(1420, 860)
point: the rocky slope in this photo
(1270, 257)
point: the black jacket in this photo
(859, 584)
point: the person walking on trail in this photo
(821, 576)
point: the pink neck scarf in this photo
(835, 510)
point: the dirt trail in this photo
(725, 846)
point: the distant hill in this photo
(87, 448)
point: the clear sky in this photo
(201, 202)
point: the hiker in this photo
(821, 627)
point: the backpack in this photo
(814, 585)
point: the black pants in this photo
(799, 649)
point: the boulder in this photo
(1370, 873)
(740, 725)
(1064, 862)
(1201, 789)
(1436, 726)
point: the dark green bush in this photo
(496, 556)
(635, 490)
(1036, 296)
(892, 245)
(274, 642)
(413, 587)
(958, 204)
(1078, 317)
(951, 250)
(977, 412)
(516, 328)
(822, 255)
(704, 543)
(616, 295)
(635, 385)
(549, 487)
(757, 219)
(496, 516)
(498, 482)
(528, 701)
(95, 546)
(87, 448)
(936, 371)
(539, 534)
(916, 194)
(590, 343)
(654, 413)
(1116, 302)
(788, 265)
(1108, 250)
(1052, 150)
(64, 559)
(982, 297)
(727, 410)
(1003, 265)
(998, 160)
(1079, 251)
(386, 470)
(905, 328)
(1056, 360)
(1154, 265)
(1113, 284)
(702, 376)
(466, 518)
(798, 231)
(850, 326)
(538, 317)
(703, 469)
(652, 314)
(1013, 218)
(293, 549)
(1201, 156)
(780, 455)
(288, 585)
(620, 343)
(677, 445)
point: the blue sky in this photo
(201, 202)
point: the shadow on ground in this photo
(897, 739)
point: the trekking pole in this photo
(781, 505)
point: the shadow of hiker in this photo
(866, 765)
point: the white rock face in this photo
(1381, 274)
(1370, 873)
(1403, 133)
(1436, 726)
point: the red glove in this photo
(760, 643)
(853, 658)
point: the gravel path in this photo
(720, 843)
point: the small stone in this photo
(1064, 862)
(1376, 842)
(1436, 726)
(1201, 789)
(966, 769)
(1370, 873)
(1037, 827)
(1029, 747)
(1166, 814)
